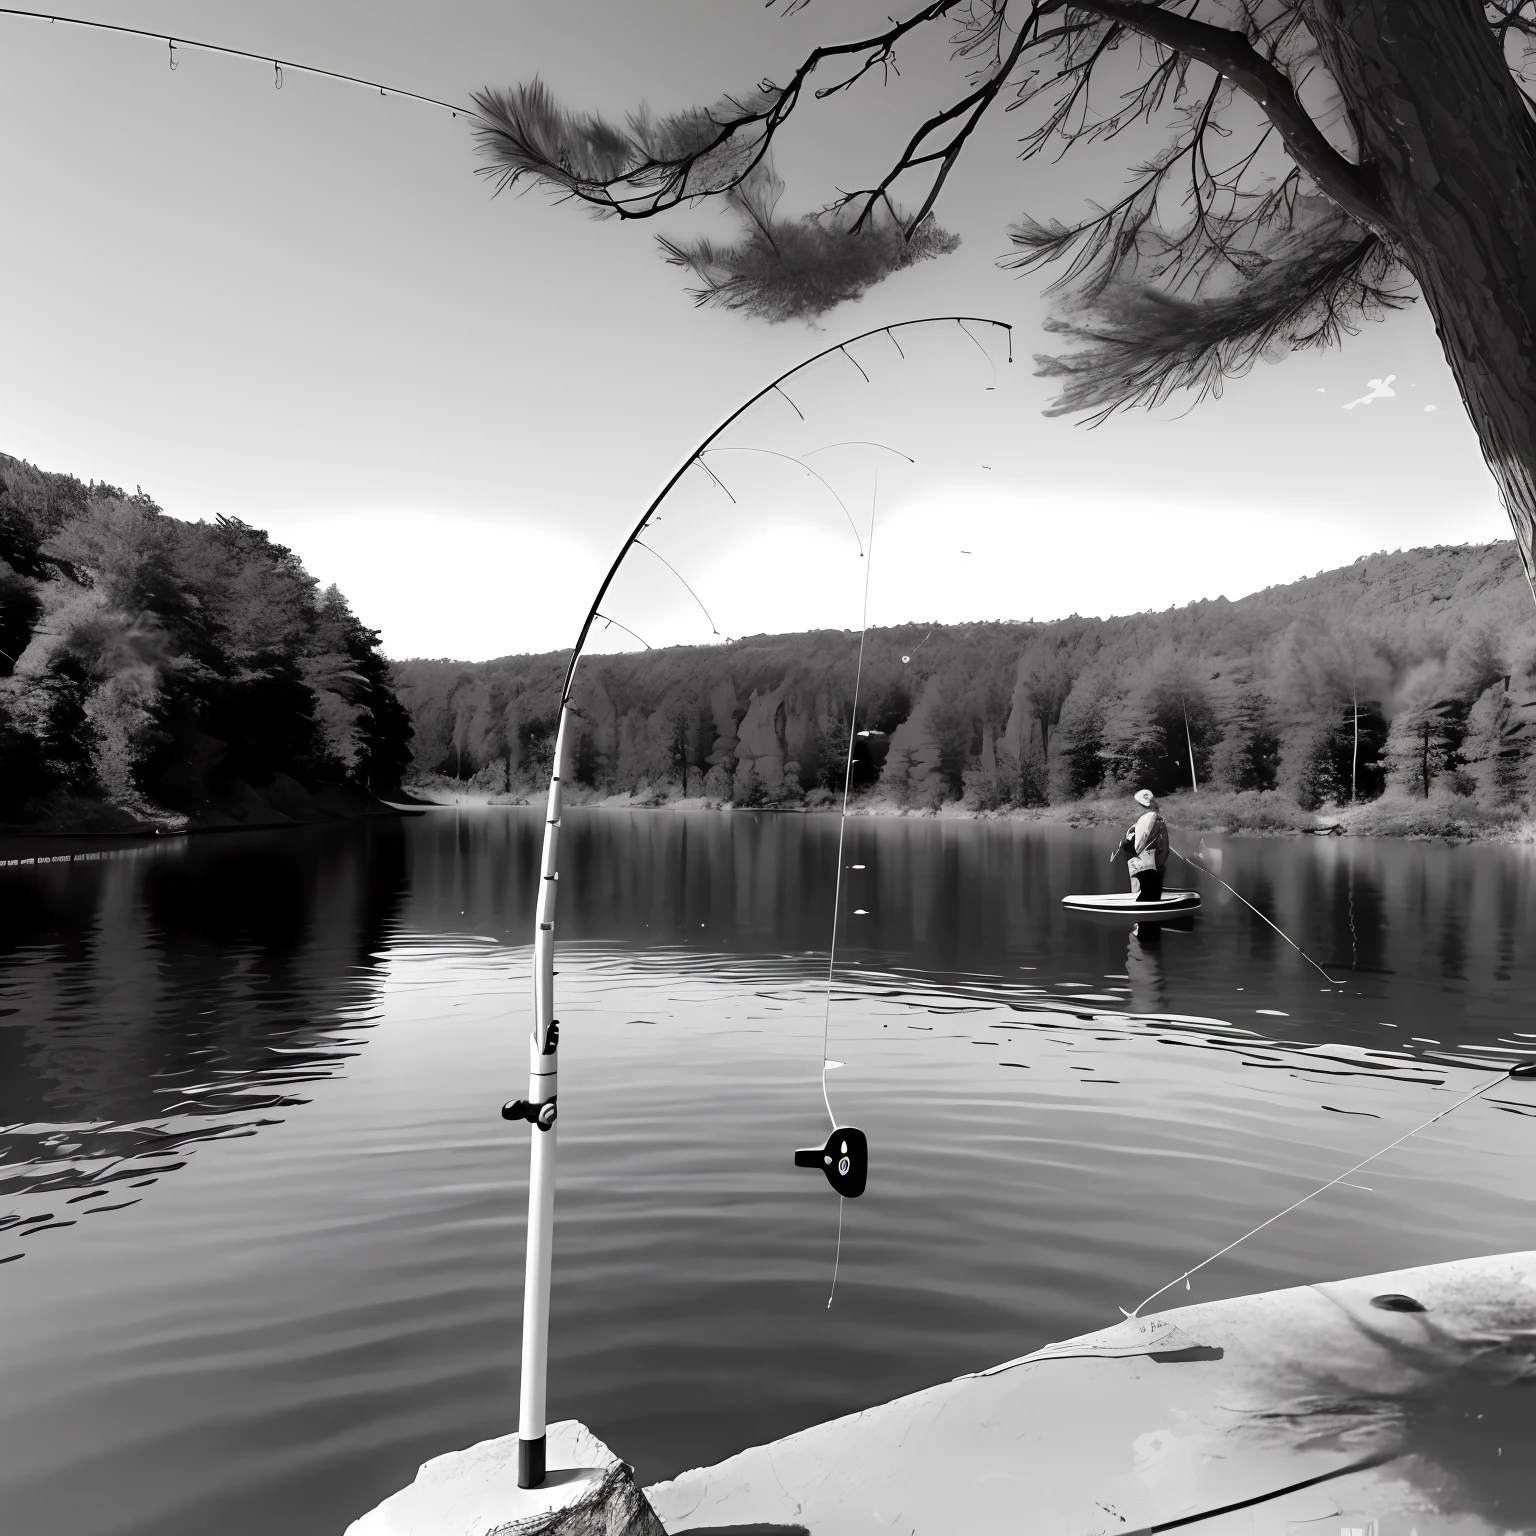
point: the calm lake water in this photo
(264, 1245)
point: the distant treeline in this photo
(1410, 670)
(152, 664)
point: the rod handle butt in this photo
(530, 1463)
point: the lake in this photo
(272, 1064)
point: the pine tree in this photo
(1078, 765)
(1496, 749)
(1248, 754)
(1421, 745)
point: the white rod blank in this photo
(543, 1084)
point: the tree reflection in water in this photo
(174, 993)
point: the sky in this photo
(303, 307)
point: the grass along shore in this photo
(1260, 813)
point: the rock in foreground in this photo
(1393, 1403)
(588, 1492)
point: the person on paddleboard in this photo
(1145, 849)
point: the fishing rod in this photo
(844, 1159)
(1278, 929)
(173, 42)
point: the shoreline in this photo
(1250, 813)
(106, 827)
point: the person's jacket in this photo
(1147, 844)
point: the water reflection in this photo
(176, 993)
(1144, 968)
(1064, 1113)
(1423, 936)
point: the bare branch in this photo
(968, 112)
(1351, 186)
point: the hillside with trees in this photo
(155, 672)
(1405, 677)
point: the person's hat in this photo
(1144, 797)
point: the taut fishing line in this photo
(837, 888)
(1278, 929)
(1519, 1070)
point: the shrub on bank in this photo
(1443, 814)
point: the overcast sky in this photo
(301, 307)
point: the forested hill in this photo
(1409, 669)
(153, 669)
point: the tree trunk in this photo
(1441, 121)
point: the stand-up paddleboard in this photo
(1394, 1403)
(1123, 903)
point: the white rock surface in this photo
(1395, 1403)
(474, 1492)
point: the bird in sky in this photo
(1380, 389)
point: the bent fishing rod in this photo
(844, 1157)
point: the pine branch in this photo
(797, 269)
(648, 164)
(1142, 344)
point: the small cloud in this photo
(1431, 407)
(1321, 390)
(1380, 389)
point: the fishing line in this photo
(795, 408)
(691, 593)
(991, 362)
(774, 453)
(859, 442)
(614, 624)
(173, 43)
(1278, 929)
(1476, 1093)
(837, 889)
(716, 478)
(837, 1257)
(842, 820)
